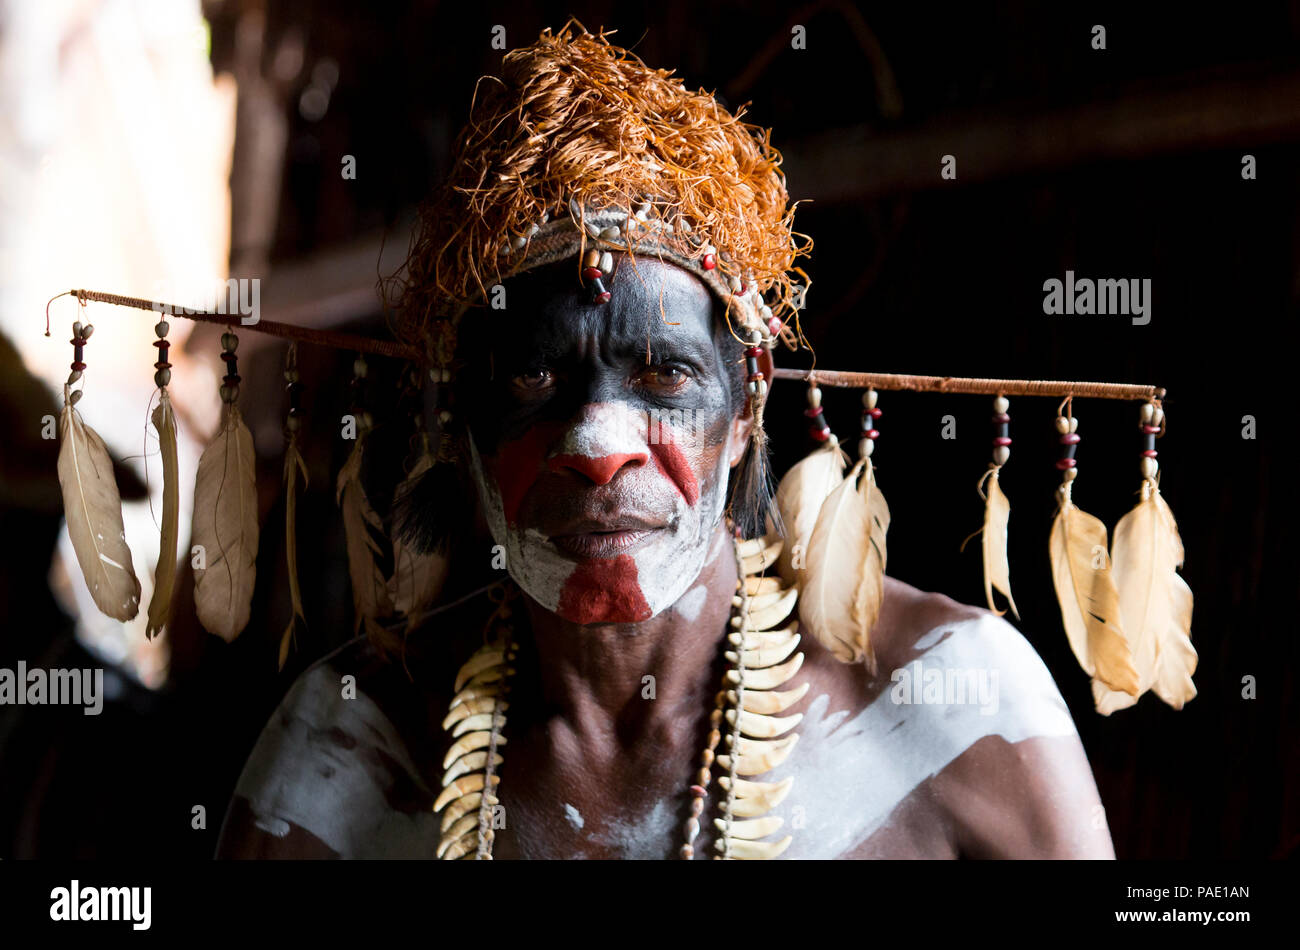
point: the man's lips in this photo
(603, 539)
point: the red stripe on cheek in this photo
(517, 466)
(672, 461)
(604, 590)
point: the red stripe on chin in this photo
(604, 590)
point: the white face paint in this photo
(645, 480)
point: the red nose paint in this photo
(604, 590)
(600, 469)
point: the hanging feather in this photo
(1087, 595)
(799, 498)
(293, 466)
(751, 507)
(418, 575)
(370, 596)
(164, 578)
(93, 510)
(1155, 604)
(225, 526)
(843, 585)
(997, 567)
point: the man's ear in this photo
(742, 427)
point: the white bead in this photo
(518, 243)
(592, 230)
(607, 262)
(1074, 424)
(1149, 467)
(1147, 410)
(1000, 454)
(814, 397)
(1001, 404)
(1071, 474)
(1062, 425)
(1157, 417)
(751, 388)
(866, 447)
(869, 398)
(610, 234)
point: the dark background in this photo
(1124, 162)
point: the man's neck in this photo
(594, 677)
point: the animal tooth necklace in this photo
(760, 659)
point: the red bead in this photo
(78, 365)
(162, 364)
(812, 412)
(699, 791)
(753, 377)
(1151, 430)
(591, 273)
(1150, 453)
(602, 298)
(709, 262)
(1063, 464)
(1070, 438)
(774, 326)
(1002, 440)
(871, 434)
(1001, 419)
(876, 413)
(754, 351)
(821, 435)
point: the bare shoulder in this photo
(959, 744)
(334, 772)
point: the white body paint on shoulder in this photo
(851, 775)
(305, 770)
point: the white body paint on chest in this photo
(850, 775)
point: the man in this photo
(606, 425)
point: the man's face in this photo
(601, 437)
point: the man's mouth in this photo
(595, 539)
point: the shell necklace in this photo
(760, 660)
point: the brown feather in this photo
(1155, 603)
(417, 577)
(293, 465)
(164, 578)
(370, 597)
(799, 498)
(93, 510)
(997, 569)
(225, 525)
(1087, 595)
(843, 585)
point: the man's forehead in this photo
(650, 301)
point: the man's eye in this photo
(534, 381)
(667, 377)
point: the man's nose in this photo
(599, 469)
(604, 439)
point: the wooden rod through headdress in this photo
(402, 351)
(959, 384)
